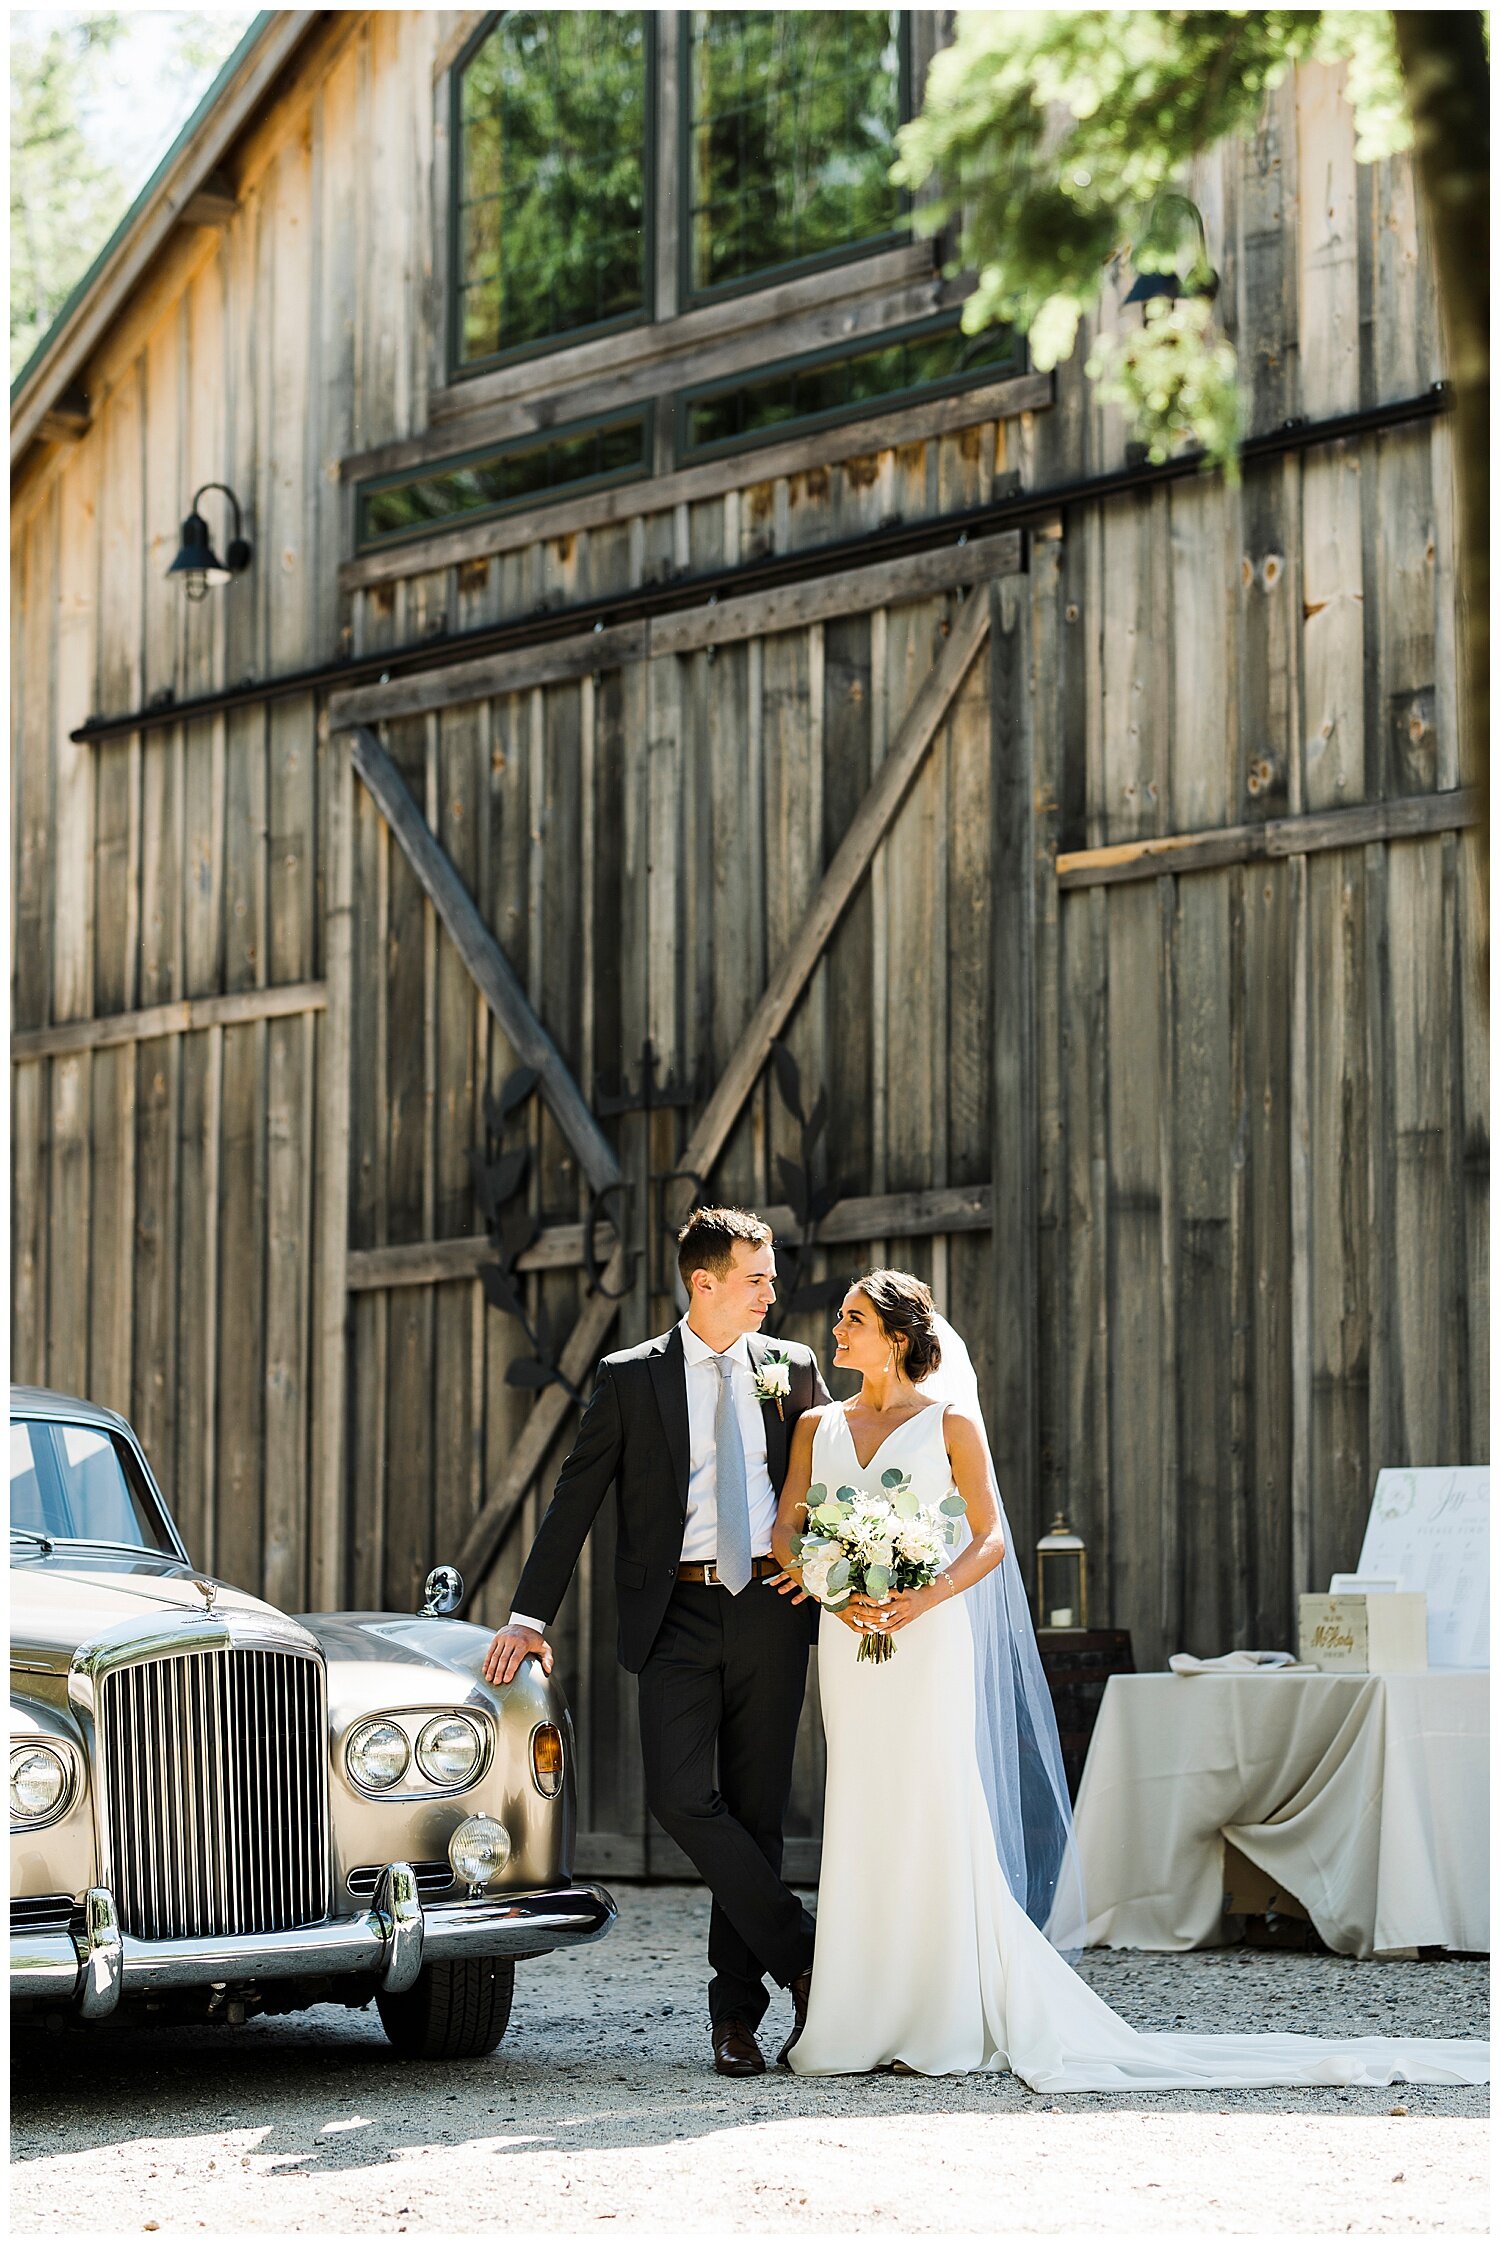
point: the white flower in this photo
(773, 1379)
(816, 1566)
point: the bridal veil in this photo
(1020, 1757)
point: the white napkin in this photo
(1240, 1663)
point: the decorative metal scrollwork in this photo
(499, 1175)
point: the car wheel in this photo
(458, 2009)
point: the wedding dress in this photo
(924, 1955)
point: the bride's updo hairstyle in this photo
(906, 1313)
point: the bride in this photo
(951, 1904)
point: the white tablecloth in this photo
(1366, 1796)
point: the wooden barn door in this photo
(541, 941)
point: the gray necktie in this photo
(732, 1563)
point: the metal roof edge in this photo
(49, 363)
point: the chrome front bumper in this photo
(389, 1943)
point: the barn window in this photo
(790, 136)
(502, 478)
(551, 194)
(839, 384)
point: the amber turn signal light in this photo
(547, 1759)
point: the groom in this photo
(692, 1432)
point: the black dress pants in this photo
(720, 1699)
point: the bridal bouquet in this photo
(871, 1542)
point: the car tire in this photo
(458, 2009)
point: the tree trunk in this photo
(1447, 74)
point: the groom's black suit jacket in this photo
(635, 1434)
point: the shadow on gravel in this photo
(328, 2096)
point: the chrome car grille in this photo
(432, 1879)
(45, 1912)
(216, 1788)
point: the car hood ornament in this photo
(208, 1591)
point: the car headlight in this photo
(450, 1750)
(39, 1780)
(478, 1851)
(377, 1755)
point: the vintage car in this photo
(217, 1808)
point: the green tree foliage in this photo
(1056, 143)
(64, 195)
(1060, 142)
(69, 188)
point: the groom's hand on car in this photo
(509, 1647)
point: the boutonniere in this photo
(773, 1378)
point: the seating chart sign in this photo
(1431, 1525)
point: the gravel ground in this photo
(601, 2106)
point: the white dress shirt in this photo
(700, 1533)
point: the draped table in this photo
(1365, 1796)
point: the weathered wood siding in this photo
(1233, 1119)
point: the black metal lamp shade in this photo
(1201, 279)
(196, 562)
(1150, 285)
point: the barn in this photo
(681, 718)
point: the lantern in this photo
(197, 563)
(1061, 1579)
(1165, 220)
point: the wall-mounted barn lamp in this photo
(197, 563)
(1161, 232)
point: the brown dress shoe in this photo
(736, 2050)
(799, 1990)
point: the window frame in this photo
(460, 369)
(134, 1470)
(526, 441)
(834, 416)
(690, 296)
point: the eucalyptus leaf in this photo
(906, 1502)
(838, 1575)
(877, 1581)
(847, 1497)
(954, 1506)
(892, 1477)
(816, 1494)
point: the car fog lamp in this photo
(478, 1850)
(38, 1780)
(377, 1755)
(449, 1750)
(547, 1759)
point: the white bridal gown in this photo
(923, 1955)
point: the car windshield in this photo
(79, 1484)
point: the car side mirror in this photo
(443, 1591)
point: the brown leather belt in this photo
(705, 1572)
